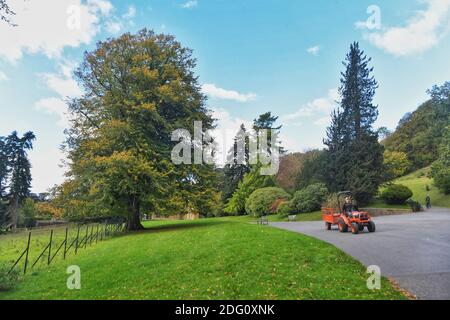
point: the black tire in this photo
(361, 228)
(342, 226)
(355, 228)
(371, 227)
(328, 226)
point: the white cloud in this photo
(213, 91)
(131, 13)
(3, 76)
(72, 23)
(104, 6)
(55, 106)
(113, 27)
(47, 169)
(190, 4)
(63, 84)
(361, 25)
(314, 50)
(321, 106)
(421, 33)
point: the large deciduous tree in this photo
(354, 153)
(139, 88)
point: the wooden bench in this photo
(263, 220)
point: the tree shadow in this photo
(181, 226)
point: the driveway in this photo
(412, 249)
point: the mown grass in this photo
(418, 182)
(379, 204)
(12, 245)
(224, 258)
(301, 217)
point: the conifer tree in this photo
(354, 154)
(237, 165)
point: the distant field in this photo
(418, 182)
(227, 258)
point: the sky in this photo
(254, 56)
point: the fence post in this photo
(50, 248)
(26, 255)
(85, 239)
(91, 236)
(65, 243)
(76, 242)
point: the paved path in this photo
(412, 249)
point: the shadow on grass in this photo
(168, 227)
(183, 226)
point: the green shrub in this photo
(252, 181)
(261, 202)
(285, 209)
(396, 194)
(8, 281)
(310, 199)
(415, 206)
(27, 214)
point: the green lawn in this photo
(379, 204)
(314, 216)
(418, 182)
(207, 259)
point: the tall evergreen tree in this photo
(267, 121)
(20, 168)
(3, 177)
(4, 168)
(238, 164)
(354, 154)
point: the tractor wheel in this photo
(355, 228)
(371, 227)
(328, 226)
(342, 226)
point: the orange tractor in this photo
(349, 217)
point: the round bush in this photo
(261, 202)
(396, 194)
(310, 199)
(285, 209)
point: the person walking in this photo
(428, 201)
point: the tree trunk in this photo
(134, 215)
(13, 213)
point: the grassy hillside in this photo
(418, 182)
(207, 259)
(420, 134)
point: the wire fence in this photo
(86, 235)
